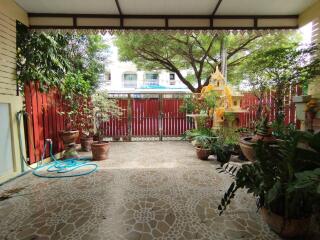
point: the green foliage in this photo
(87, 55)
(226, 144)
(284, 177)
(55, 59)
(279, 67)
(202, 137)
(104, 109)
(210, 99)
(200, 53)
(75, 85)
(188, 105)
(41, 57)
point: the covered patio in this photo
(151, 189)
(140, 192)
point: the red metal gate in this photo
(148, 115)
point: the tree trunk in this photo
(223, 57)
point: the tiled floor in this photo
(154, 190)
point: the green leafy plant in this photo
(41, 57)
(277, 175)
(210, 99)
(104, 108)
(202, 138)
(188, 105)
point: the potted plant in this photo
(223, 152)
(75, 91)
(203, 147)
(202, 139)
(281, 179)
(226, 144)
(263, 133)
(69, 134)
(104, 108)
(87, 132)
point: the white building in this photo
(124, 76)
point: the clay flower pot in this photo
(86, 143)
(203, 154)
(287, 229)
(246, 145)
(68, 137)
(100, 150)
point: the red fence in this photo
(148, 115)
(250, 103)
(144, 115)
(43, 120)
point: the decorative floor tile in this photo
(154, 190)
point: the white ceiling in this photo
(167, 7)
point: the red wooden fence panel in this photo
(250, 103)
(43, 120)
(157, 115)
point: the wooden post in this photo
(129, 111)
(160, 124)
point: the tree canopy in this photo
(198, 53)
(69, 62)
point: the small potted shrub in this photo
(202, 139)
(104, 108)
(223, 152)
(75, 91)
(285, 180)
(263, 133)
(203, 147)
(86, 125)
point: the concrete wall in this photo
(10, 12)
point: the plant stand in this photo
(70, 151)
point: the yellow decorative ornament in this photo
(219, 112)
(228, 93)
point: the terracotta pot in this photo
(68, 137)
(100, 150)
(287, 229)
(246, 145)
(86, 143)
(203, 154)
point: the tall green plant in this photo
(41, 57)
(87, 55)
(281, 68)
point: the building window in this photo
(151, 79)
(107, 77)
(172, 79)
(130, 80)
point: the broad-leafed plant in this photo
(284, 178)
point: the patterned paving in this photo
(155, 190)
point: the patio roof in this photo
(164, 14)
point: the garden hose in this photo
(56, 166)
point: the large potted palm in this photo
(104, 109)
(285, 180)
